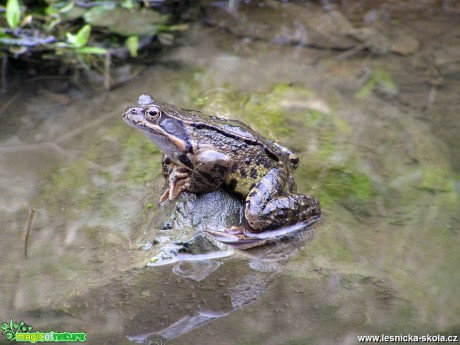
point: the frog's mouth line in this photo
(139, 122)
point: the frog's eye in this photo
(152, 112)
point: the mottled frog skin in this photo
(203, 152)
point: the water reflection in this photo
(198, 259)
(215, 298)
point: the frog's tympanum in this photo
(204, 152)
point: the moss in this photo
(435, 178)
(266, 112)
(339, 185)
(344, 183)
(377, 78)
(272, 111)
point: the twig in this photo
(431, 97)
(355, 50)
(3, 81)
(28, 227)
(107, 61)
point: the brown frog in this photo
(203, 152)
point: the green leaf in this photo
(51, 11)
(83, 35)
(128, 4)
(81, 38)
(91, 50)
(67, 7)
(132, 43)
(52, 23)
(56, 8)
(13, 13)
(71, 38)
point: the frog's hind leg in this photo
(270, 204)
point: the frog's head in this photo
(161, 123)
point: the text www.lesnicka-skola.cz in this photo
(409, 338)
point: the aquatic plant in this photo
(80, 35)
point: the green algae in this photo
(343, 185)
(265, 112)
(377, 78)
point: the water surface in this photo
(383, 259)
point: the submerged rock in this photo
(295, 24)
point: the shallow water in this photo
(383, 259)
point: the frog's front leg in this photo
(177, 177)
(210, 169)
(270, 205)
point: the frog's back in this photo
(271, 148)
(237, 130)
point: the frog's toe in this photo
(177, 188)
(224, 236)
(241, 238)
(237, 237)
(164, 196)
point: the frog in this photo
(204, 152)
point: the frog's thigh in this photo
(210, 169)
(270, 206)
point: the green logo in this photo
(21, 332)
(10, 330)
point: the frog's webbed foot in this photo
(233, 233)
(237, 237)
(241, 238)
